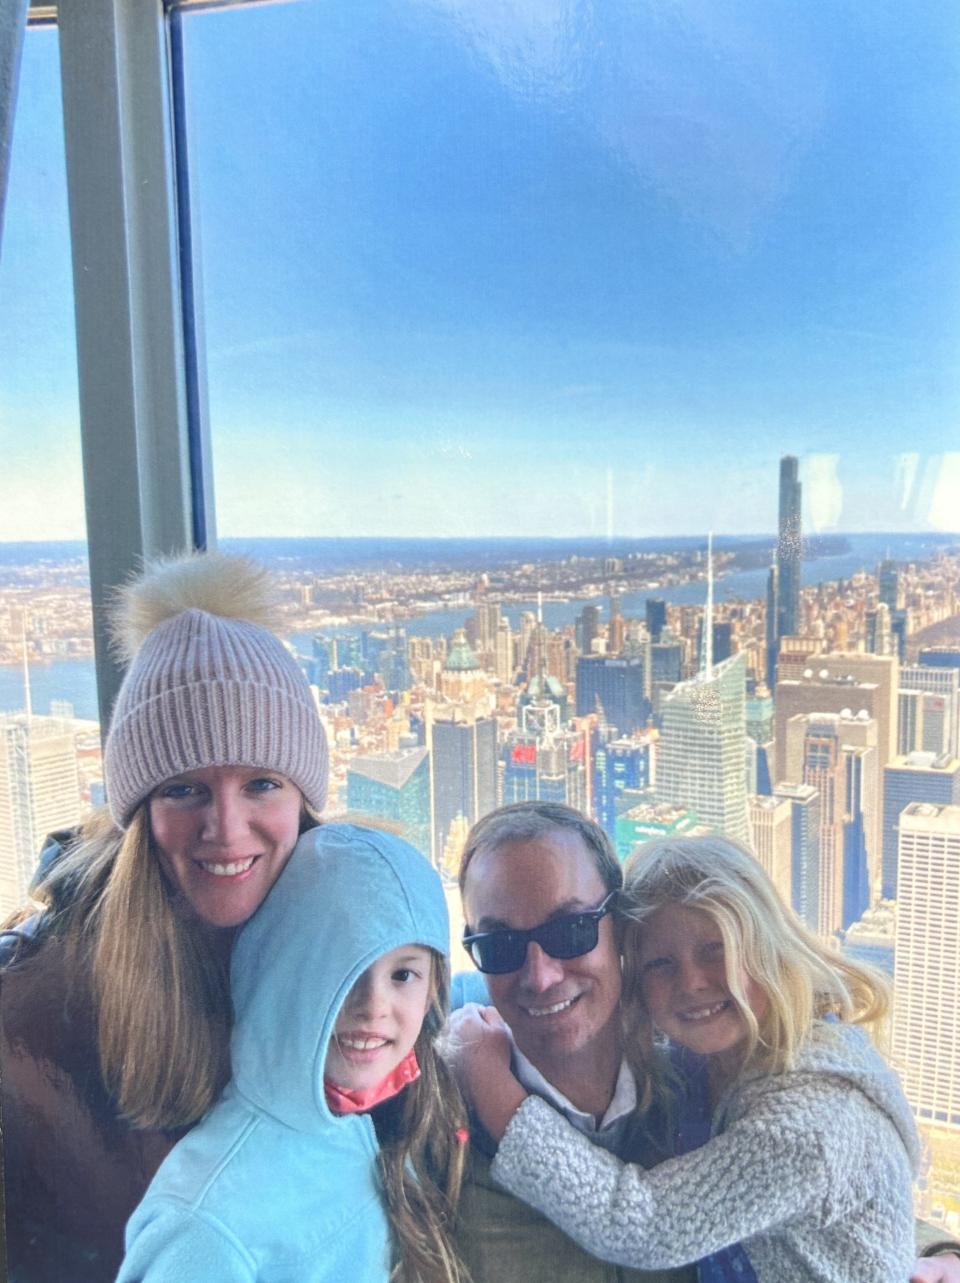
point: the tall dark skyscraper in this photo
(617, 685)
(773, 592)
(656, 608)
(722, 642)
(463, 764)
(888, 583)
(588, 627)
(789, 538)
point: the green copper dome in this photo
(461, 658)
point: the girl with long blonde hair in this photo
(806, 1173)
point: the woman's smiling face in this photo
(222, 835)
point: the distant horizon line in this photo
(503, 538)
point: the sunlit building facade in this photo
(701, 758)
(39, 793)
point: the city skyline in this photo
(594, 270)
(646, 708)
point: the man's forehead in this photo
(527, 880)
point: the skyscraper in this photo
(618, 765)
(771, 636)
(909, 721)
(504, 665)
(722, 642)
(856, 871)
(804, 849)
(879, 635)
(463, 679)
(588, 627)
(926, 1023)
(645, 821)
(463, 769)
(702, 756)
(940, 685)
(545, 768)
(847, 684)
(823, 769)
(771, 839)
(666, 660)
(324, 658)
(760, 716)
(615, 631)
(888, 584)
(939, 657)
(39, 793)
(395, 785)
(486, 619)
(615, 686)
(789, 548)
(393, 666)
(656, 612)
(916, 777)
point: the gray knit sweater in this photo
(810, 1170)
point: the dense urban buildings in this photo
(819, 724)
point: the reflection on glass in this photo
(49, 737)
(531, 298)
(506, 307)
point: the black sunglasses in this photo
(498, 952)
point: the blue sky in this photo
(541, 267)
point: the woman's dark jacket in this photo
(73, 1170)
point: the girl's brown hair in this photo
(421, 1165)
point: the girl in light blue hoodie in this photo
(337, 1148)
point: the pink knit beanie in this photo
(209, 683)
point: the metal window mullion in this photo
(121, 188)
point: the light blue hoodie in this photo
(270, 1186)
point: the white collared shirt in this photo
(610, 1132)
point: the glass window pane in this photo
(506, 308)
(50, 772)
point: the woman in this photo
(114, 1009)
(336, 1149)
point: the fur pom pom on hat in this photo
(209, 682)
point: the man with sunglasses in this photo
(539, 881)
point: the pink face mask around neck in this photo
(344, 1100)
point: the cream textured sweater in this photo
(810, 1170)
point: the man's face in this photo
(555, 1007)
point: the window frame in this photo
(144, 438)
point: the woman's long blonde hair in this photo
(421, 1163)
(801, 978)
(157, 978)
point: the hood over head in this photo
(346, 896)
